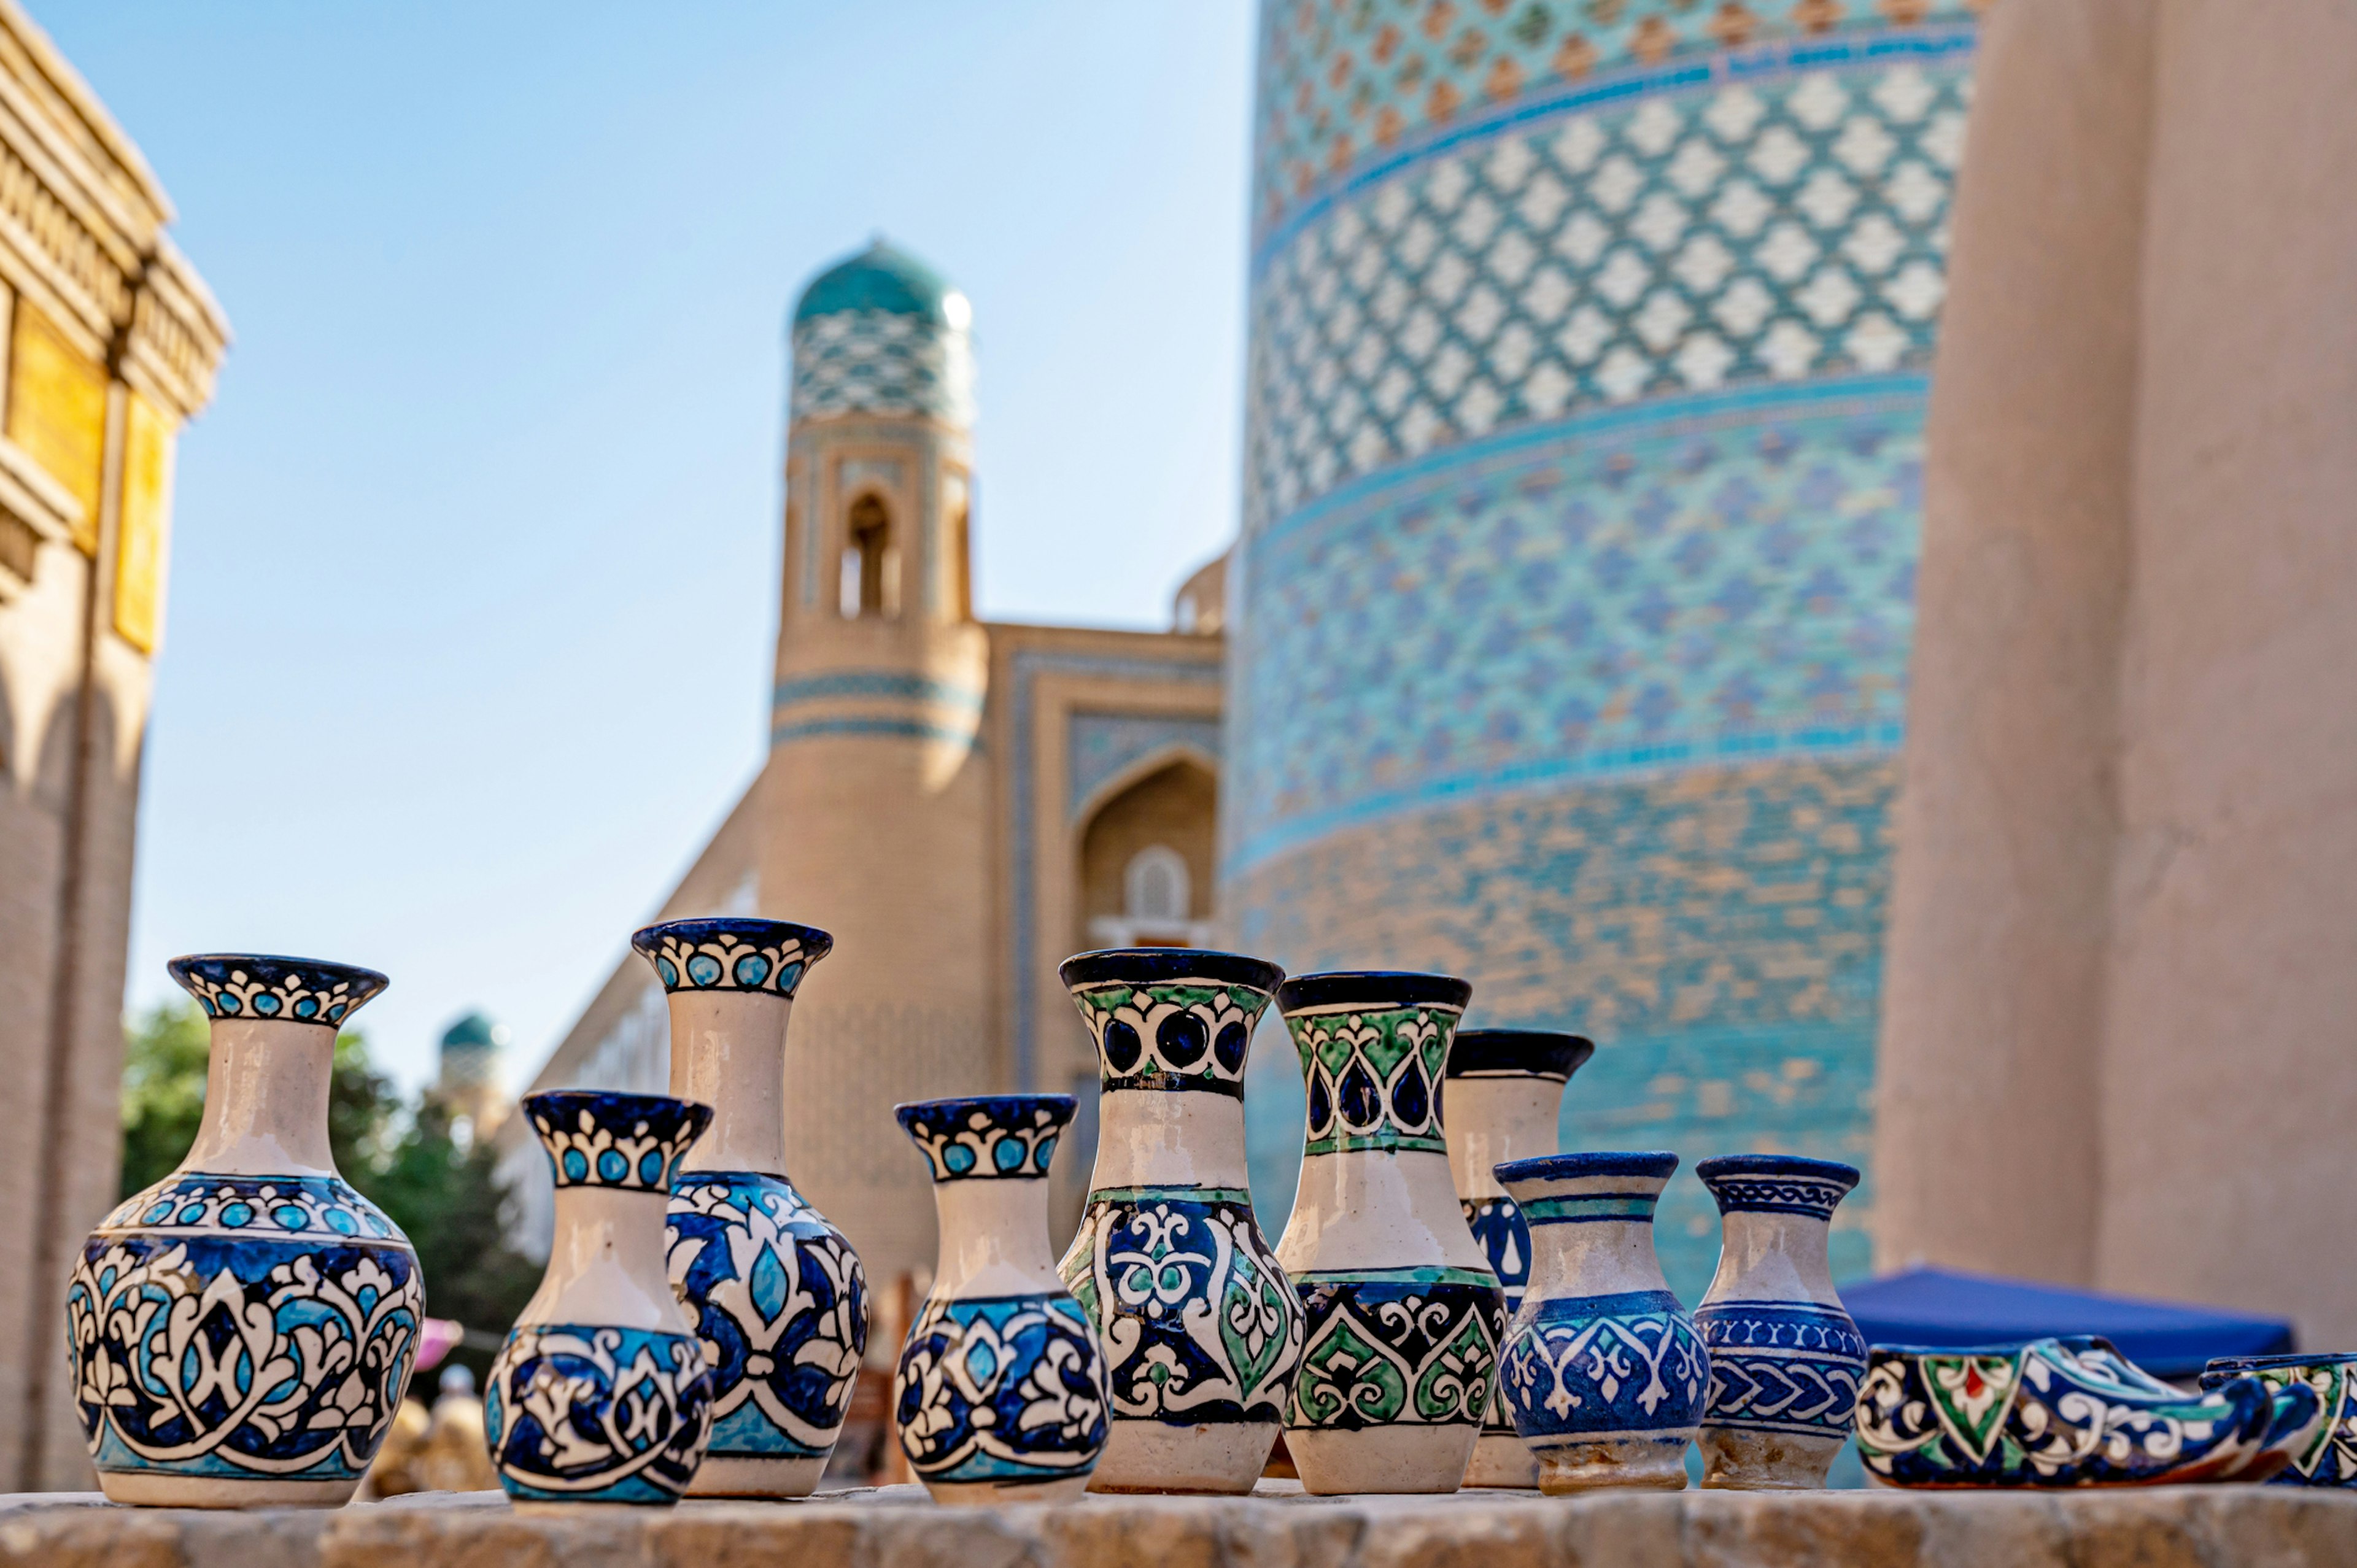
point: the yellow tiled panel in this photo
(146, 532)
(57, 412)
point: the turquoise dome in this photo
(472, 1032)
(882, 278)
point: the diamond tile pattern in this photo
(876, 362)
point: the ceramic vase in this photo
(1603, 1372)
(1201, 1331)
(1785, 1358)
(774, 1291)
(1505, 1092)
(2330, 1458)
(1404, 1314)
(241, 1333)
(1000, 1392)
(601, 1395)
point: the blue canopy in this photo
(1937, 1307)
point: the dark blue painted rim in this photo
(756, 932)
(666, 1116)
(276, 969)
(1152, 966)
(1004, 1110)
(1565, 1167)
(2294, 1358)
(1534, 1053)
(1718, 1166)
(1373, 989)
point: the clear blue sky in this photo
(472, 593)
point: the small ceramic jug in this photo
(1403, 1312)
(1202, 1329)
(601, 1395)
(1000, 1394)
(1785, 1358)
(1602, 1372)
(242, 1332)
(1504, 1092)
(774, 1291)
(2330, 1458)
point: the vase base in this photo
(1502, 1459)
(1381, 1458)
(1765, 1461)
(1220, 1458)
(1656, 1463)
(728, 1475)
(989, 1494)
(162, 1489)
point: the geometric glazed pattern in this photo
(1100, 745)
(881, 361)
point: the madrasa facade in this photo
(1563, 646)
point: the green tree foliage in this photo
(434, 1181)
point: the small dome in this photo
(475, 1032)
(884, 279)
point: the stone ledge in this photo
(2174, 1527)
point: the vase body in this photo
(1404, 1314)
(1000, 1392)
(1602, 1373)
(242, 1332)
(1504, 1095)
(774, 1290)
(1785, 1358)
(1201, 1328)
(601, 1395)
(2330, 1458)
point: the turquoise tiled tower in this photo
(1590, 345)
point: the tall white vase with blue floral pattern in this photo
(775, 1291)
(1202, 1331)
(1504, 1099)
(1000, 1392)
(242, 1332)
(1404, 1313)
(601, 1395)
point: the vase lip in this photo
(1777, 1184)
(272, 988)
(1516, 1053)
(1005, 1137)
(732, 952)
(1657, 1164)
(1136, 966)
(612, 1138)
(1373, 989)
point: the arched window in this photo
(868, 563)
(1155, 886)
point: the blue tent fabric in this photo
(1940, 1309)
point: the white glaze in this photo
(266, 1099)
(1377, 1208)
(1492, 1120)
(728, 1051)
(606, 1264)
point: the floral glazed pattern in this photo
(2329, 1458)
(1011, 1135)
(1006, 1389)
(1374, 1069)
(1397, 1348)
(780, 1303)
(311, 1209)
(628, 1141)
(284, 990)
(732, 954)
(2067, 1412)
(597, 1414)
(1171, 1018)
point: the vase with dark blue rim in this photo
(1785, 1359)
(1504, 1090)
(1202, 1329)
(774, 1289)
(601, 1394)
(1603, 1372)
(2329, 1458)
(242, 1332)
(1404, 1313)
(1000, 1392)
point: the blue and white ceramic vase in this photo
(1403, 1312)
(2330, 1458)
(242, 1331)
(601, 1394)
(774, 1291)
(1603, 1372)
(1202, 1329)
(1785, 1358)
(1504, 1092)
(1000, 1394)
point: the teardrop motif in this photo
(1182, 1039)
(1411, 1097)
(1122, 1047)
(1363, 1102)
(1230, 1050)
(1322, 1102)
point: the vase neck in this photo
(1593, 1257)
(1772, 1257)
(1377, 1208)
(606, 1264)
(1148, 1137)
(728, 1051)
(1494, 1119)
(994, 1238)
(266, 1101)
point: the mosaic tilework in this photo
(1786, 225)
(1100, 745)
(1717, 930)
(1347, 81)
(880, 361)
